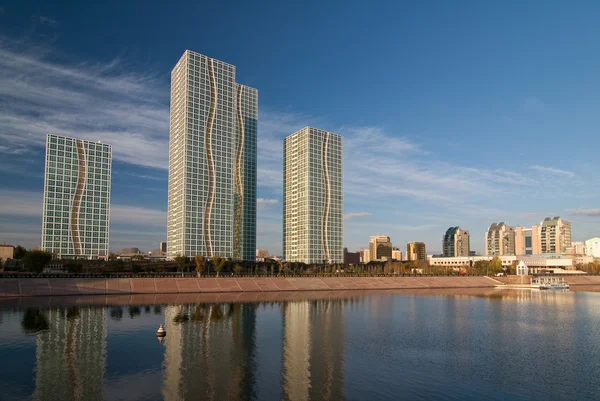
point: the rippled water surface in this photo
(517, 345)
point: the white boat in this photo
(549, 283)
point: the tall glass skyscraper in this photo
(313, 197)
(212, 161)
(76, 198)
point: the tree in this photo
(481, 266)
(112, 256)
(218, 262)
(495, 265)
(237, 268)
(34, 261)
(200, 264)
(20, 251)
(180, 261)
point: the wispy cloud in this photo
(90, 101)
(266, 202)
(552, 170)
(585, 212)
(44, 20)
(354, 215)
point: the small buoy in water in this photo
(161, 332)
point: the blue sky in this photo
(452, 113)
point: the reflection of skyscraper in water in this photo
(71, 355)
(209, 352)
(296, 350)
(313, 350)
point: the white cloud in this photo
(552, 170)
(44, 20)
(585, 212)
(353, 215)
(95, 102)
(266, 202)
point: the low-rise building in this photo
(262, 254)
(7, 252)
(365, 256)
(534, 262)
(397, 254)
(351, 258)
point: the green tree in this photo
(20, 251)
(237, 268)
(180, 261)
(481, 266)
(219, 263)
(112, 256)
(34, 261)
(495, 265)
(200, 264)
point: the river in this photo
(480, 345)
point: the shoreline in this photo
(49, 287)
(61, 287)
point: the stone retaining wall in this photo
(115, 286)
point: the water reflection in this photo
(70, 352)
(209, 352)
(379, 346)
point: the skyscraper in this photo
(76, 198)
(212, 161)
(312, 197)
(456, 242)
(527, 241)
(500, 240)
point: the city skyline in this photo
(429, 143)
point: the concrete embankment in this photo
(525, 281)
(28, 287)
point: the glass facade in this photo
(313, 197)
(76, 198)
(212, 161)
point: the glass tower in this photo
(313, 197)
(212, 161)
(76, 198)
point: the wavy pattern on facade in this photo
(327, 197)
(76, 206)
(238, 176)
(208, 150)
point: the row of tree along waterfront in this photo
(37, 261)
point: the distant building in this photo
(76, 198)
(456, 242)
(534, 262)
(380, 247)
(365, 256)
(527, 241)
(313, 197)
(500, 240)
(130, 251)
(351, 258)
(576, 249)
(262, 254)
(162, 247)
(396, 254)
(7, 252)
(416, 251)
(555, 235)
(592, 247)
